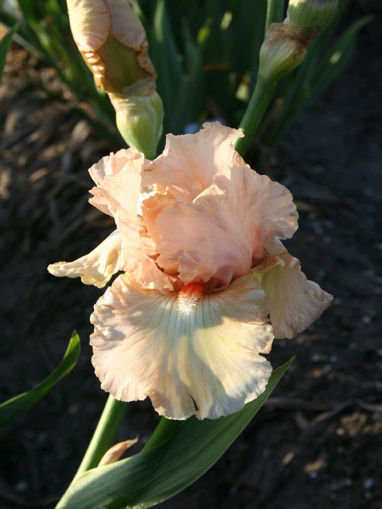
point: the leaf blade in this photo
(161, 471)
(21, 403)
(5, 45)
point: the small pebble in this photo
(21, 486)
(368, 483)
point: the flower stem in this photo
(275, 12)
(256, 109)
(104, 434)
(165, 430)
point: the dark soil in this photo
(317, 443)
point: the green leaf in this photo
(19, 404)
(337, 57)
(165, 56)
(248, 32)
(180, 454)
(5, 45)
(187, 103)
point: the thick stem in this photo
(275, 12)
(104, 434)
(257, 107)
(165, 430)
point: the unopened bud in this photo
(113, 43)
(139, 120)
(284, 48)
(307, 13)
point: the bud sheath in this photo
(139, 118)
(284, 49)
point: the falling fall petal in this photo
(293, 301)
(190, 353)
(95, 268)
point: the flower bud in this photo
(284, 48)
(113, 43)
(139, 120)
(308, 13)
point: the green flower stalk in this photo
(113, 43)
(283, 50)
(307, 13)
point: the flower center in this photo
(189, 297)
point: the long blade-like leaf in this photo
(188, 103)
(165, 56)
(248, 32)
(15, 406)
(160, 472)
(337, 57)
(5, 45)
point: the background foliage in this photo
(205, 54)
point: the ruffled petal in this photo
(293, 301)
(118, 178)
(116, 162)
(190, 162)
(191, 354)
(222, 234)
(146, 272)
(95, 268)
(118, 193)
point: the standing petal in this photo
(95, 268)
(190, 162)
(118, 193)
(191, 354)
(116, 162)
(224, 231)
(118, 178)
(293, 301)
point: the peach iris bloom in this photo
(203, 269)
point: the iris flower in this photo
(205, 283)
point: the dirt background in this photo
(317, 443)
